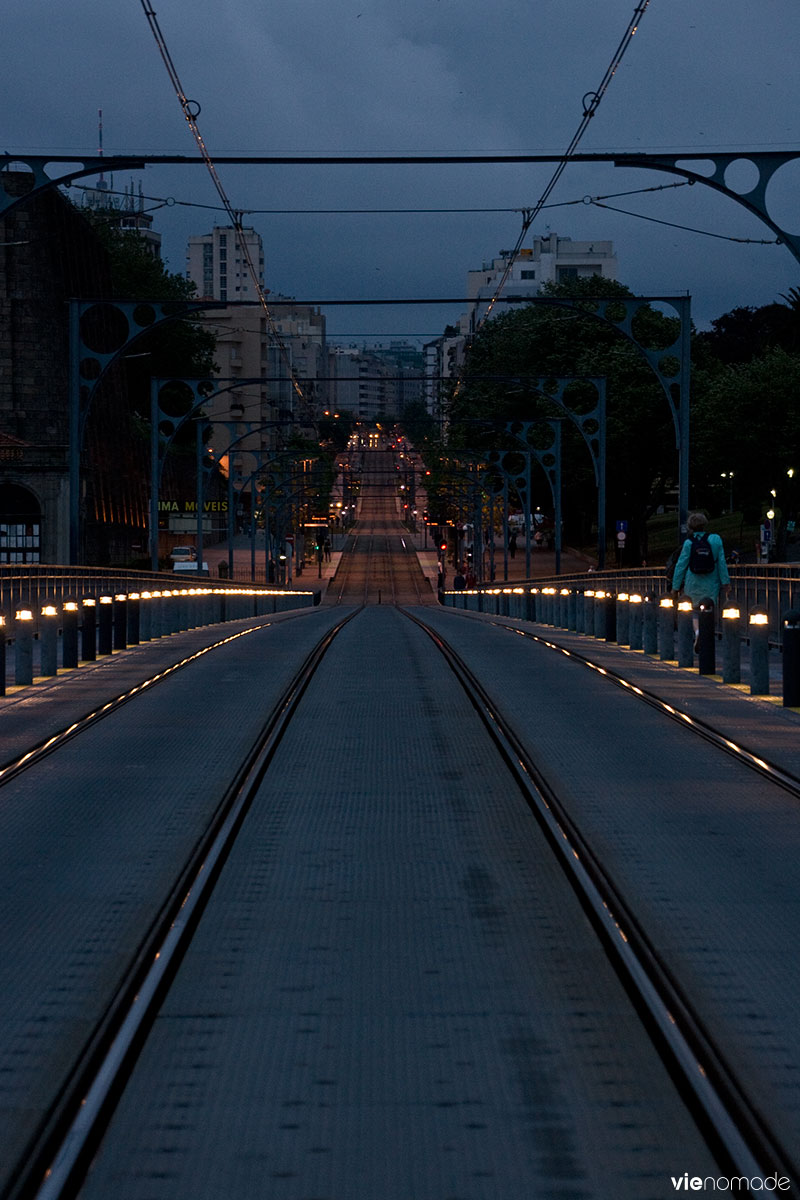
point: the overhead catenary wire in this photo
(159, 202)
(591, 102)
(191, 111)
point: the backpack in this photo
(701, 556)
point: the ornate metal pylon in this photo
(592, 427)
(101, 332)
(548, 455)
(766, 162)
(671, 364)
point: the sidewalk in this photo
(314, 576)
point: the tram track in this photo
(61, 1146)
(755, 761)
(736, 1132)
(729, 1121)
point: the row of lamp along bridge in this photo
(93, 626)
(654, 625)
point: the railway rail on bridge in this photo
(381, 899)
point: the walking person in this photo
(701, 571)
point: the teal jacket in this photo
(697, 587)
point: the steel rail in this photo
(13, 767)
(749, 758)
(61, 1147)
(732, 1125)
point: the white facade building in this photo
(217, 263)
(551, 259)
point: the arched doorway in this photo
(20, 525)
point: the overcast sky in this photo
(426, 76)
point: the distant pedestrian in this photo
(512, 543)
(701, 571)
(459, 582)
(327, 549)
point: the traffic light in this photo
(443, 546)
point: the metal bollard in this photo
(105, 624)
(731, 645)
(145, 616)
(610, 632)
(572, 609)
(685, 634)
(623, 618)
(69, 634)
(134, 618)
(531, 604)
(586, 611)
(23, 647)
(791, 659)
(2, 655)
(706, 639)
(48, 637)
(120, 610)
(635, 620)
(599, 623)
(89, 629)
(545, 607)
(564, 598)
(666, 629)
(759, 653)
(649, 626)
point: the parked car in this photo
(183, 554)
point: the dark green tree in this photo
(541, 340)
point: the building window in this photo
(527, 274)
(567, 273)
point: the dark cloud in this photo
(427, 76)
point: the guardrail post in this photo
(791, 659)
(48, 640)
(706, 647)
(23, 647)
(89, 629)
(685, 634)
(731, 645)
(69, 634)
(759, 652)
(635, 618)
(666, 629)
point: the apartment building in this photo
(551, 259)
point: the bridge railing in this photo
(772, 587)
